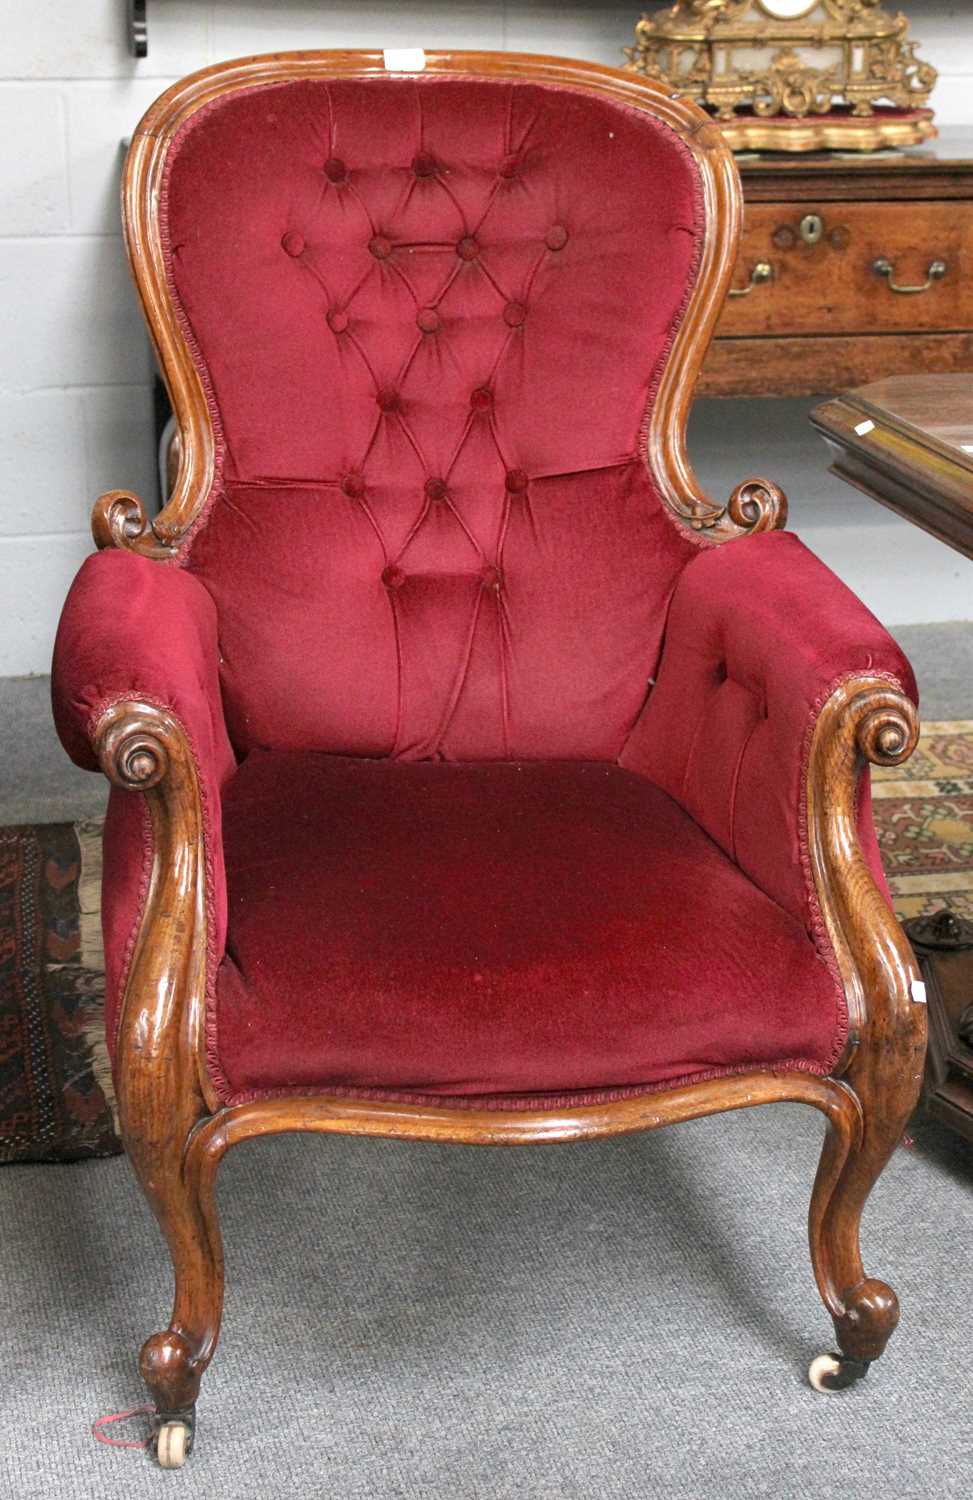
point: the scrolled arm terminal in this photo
(888, 732)
(133, 742)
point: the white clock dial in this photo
(787, 10)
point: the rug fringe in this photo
(92, 955)
(89, 895)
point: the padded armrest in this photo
(759, 635)
(133, 628)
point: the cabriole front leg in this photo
(865, 720)
(173, 1361)
(161, 1093)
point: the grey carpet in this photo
(38, 784)
(942, 658)
(629, 1318)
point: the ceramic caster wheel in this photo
(836, 1372)
(173, 1443)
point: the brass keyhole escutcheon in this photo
(812, 228)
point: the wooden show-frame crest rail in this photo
(174, 1128)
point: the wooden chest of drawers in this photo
(851, 268)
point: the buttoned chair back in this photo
(430, 316)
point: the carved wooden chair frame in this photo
(174, 1128)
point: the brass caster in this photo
(836, 1372)
(174, 1438)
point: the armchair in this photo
(475, 778)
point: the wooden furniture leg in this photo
(864, 720)
(162, 1093)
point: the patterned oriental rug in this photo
(924, 817)
(56, 1099)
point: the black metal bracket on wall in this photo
(138, 28)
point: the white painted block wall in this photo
(75, 372)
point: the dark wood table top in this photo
(908, 442)
(938, 169)
(953, 147)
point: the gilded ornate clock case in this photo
(793, 75)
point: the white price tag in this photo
(404, 59)
(864, 428)
(918, 992)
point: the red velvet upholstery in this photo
(430, 318)
(759, 633)
(431, 314)
(134, 629)
(495, 929)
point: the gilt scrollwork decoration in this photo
(845, 73)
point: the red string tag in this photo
(120, 1416)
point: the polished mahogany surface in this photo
(908, 442)
(864, 265)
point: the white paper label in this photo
(404, 59)
(864, 428)
(918, 992)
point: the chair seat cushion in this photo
(505, 934)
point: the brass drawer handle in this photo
(762, 272)
(936, 272)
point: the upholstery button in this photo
(436, 489)
(337, 319)
(388, 399)
(509, 165)
(516, 481)
(393, 577)
(428, 319)
(293, 242)
(467, 249)
(380, 247)
(425, 165)
(514, 314)
(491, 578)
(335, 169)
(556, 237)
(353, 485)
(482, 398)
